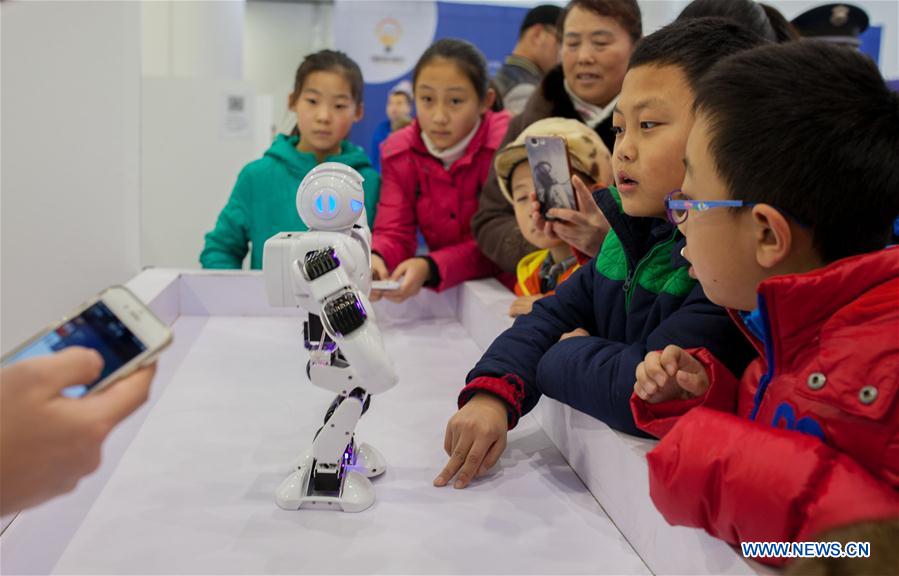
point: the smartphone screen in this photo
(98, 328)
(548, 159)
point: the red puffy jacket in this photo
(814, 443)
(416, 190)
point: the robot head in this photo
(331, 197)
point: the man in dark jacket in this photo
(598, 37)
(536, 52)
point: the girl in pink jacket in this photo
(432, 173)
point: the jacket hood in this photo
(844, 293)
(283, 150)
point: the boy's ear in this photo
(360, 112)
(532, 35)
(489, 99)
(773, 236)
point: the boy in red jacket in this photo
(785, 216)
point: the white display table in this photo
(186, 486)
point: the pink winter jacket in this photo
(417, 190)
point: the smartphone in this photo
(551, 171)
(116, 324)
(314, 335)
(385, 285)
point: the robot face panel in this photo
(326, 204)
(331, 197)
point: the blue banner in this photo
(870, 42)
(387, 38)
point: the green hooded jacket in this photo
(263, 201)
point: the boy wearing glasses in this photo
(786, 217)
(582, 345)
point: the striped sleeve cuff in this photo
(509, 389)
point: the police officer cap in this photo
(837, 23)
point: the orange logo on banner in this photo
(389, 33)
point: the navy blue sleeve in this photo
(596, 376)
(519, 349)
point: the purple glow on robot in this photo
(361, 309)
(348, 459)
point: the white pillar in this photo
(70, 157)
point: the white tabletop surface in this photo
(193, 491)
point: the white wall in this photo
(193, 39)
(657, 13)
(191, 153)
(277, 35)
(70, 159)
(190, 158)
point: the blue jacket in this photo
(382, 131)
(634, 297)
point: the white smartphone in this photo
(116, 324)
(551, 171)
(385, 285)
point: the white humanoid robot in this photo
(327, 272)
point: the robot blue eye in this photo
(320, 205)
(357, 206)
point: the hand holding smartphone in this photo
(116, 324)
(551, 171)
(50, 442)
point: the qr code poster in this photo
(236, 116)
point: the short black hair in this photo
(694, 45)
(330, 61)
(745, 12)
(625, 12)
(783, 30)
(465, 55)
(810, 129)
(403, 94)
(543, 15)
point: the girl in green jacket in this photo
(327, 100)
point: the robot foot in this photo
(356, 493)
(369, 461)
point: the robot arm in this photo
(347, 317)
(327, 271)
